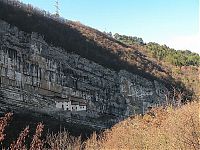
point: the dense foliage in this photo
(129, 39)
(163, 52)
(175, 57)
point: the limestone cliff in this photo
(38, 76)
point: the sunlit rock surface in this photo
(36, 76)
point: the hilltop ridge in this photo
(86, 41)
(182, 65)
(74, 73)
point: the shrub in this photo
(20, 142)
(3, 123)
(63, 140)
(161, 128)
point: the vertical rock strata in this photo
(39, 77)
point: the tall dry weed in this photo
(163, 129)
(37, 143)
(19, 144)
(3, 123)
(63, 141)
(93, 143)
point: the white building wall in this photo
(81, 108)
(63, 105)
(74, 107)
(59, 104)
(69, 106)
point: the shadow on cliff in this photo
(72, 40)
(51, 125)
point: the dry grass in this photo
(162, 129)
(3, 123)
(37, 143)
(63, 141)
(20, 142)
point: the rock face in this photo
(36, 76)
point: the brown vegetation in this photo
(85, 41)
(189, 76)
(63, 140)
(161, 128)
(3, 123)
(20, 142)
(37, 143)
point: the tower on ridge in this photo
(57, 8)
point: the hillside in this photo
(80, 39)
(182, 65)
(68, 75)
(169, 128)
(161, 128)
(73, 73)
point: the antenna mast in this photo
(57, 8)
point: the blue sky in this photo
(171, 22)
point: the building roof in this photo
(59, 99)
(74, 103)
(82, 104)
(77, 99)
(74, 100)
